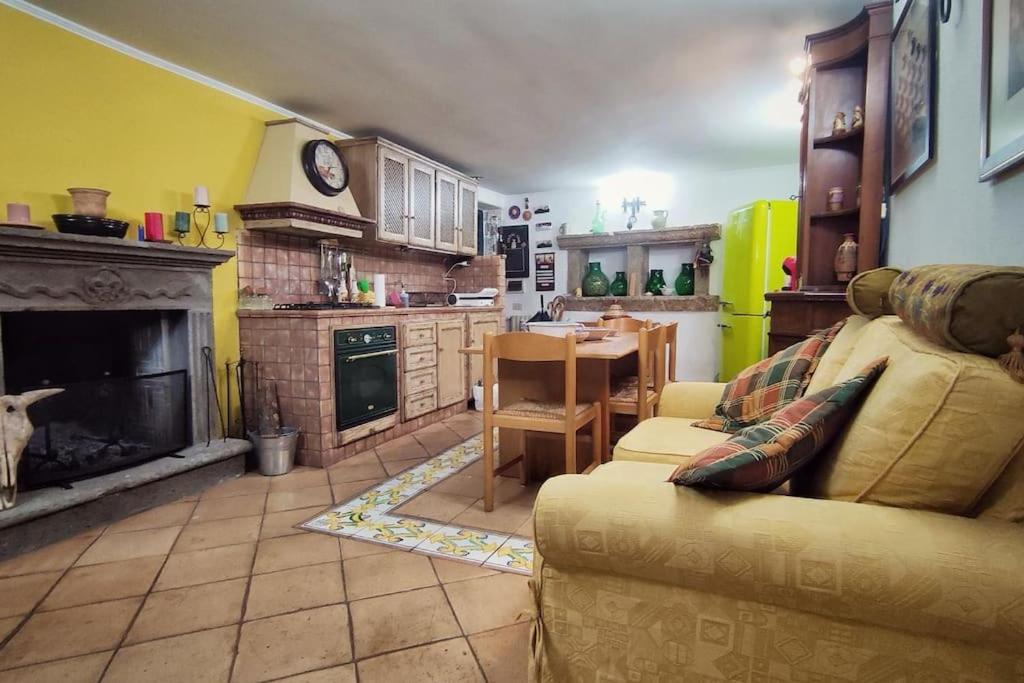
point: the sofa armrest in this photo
(690, 399)
(922, 572)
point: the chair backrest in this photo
(651, 356)
(592, 323)
(529, 347)
(671, 330)
(626, 324)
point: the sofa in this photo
(898, 554)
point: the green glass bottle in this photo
(684, 283)
(656, 282)
(618, 286)
(595, 282)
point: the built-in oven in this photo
(365, 375)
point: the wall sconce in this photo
(201, 216)
(632, 207)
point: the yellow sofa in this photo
(897, 557)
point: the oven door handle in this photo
(361, 356)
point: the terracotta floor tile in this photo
(506, 517)
(274, 554)
(508, 491)
(299, 478)
(8, 624)
(336, 674)
(129, 545)
(226, 508)
(437, 438)
(101, 582)
(465, 427)
(449, 571)
(393, 468)
(348, 490)
(526, 529)
(84, 669)
(461, 484)
(450, 661)
(183, 610)
(293, 643)
(504, 654)
(490, 602)
(200, 535)
(294, 589)
(475, 470)
(19, 594)
(402, 448)
(367, 457)
(203, 657)
(374, 575)
(277, 524)
(248, 484)
(279, 501)
(343, 473)
(69, 632)
(172, 514)
(393, 622)
(352, 548)
(206, 566)
(53, 557)
(440, 507)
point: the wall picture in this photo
(545, 271)
(913, 91)
(1002, 79)
(514, 243)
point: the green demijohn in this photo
(684, 283)
(656, 282)
(618, 286)
(595, 282)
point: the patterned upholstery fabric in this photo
(765, 387)
(838, 353)
(763, 456)
(550, 410)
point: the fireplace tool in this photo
(211, 380)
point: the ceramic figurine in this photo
(846, 259)
(839, 123)
(705, 257)
(16, 430)
(858, 117)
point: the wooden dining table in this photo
(595, 362)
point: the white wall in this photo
(945, 215)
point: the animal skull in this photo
(15, 430)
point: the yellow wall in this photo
(78, 114)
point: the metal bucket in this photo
(276, 454)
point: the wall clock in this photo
(324, 167)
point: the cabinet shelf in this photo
(842, 213)
(840, 139)
(698, 303)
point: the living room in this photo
(506, 342)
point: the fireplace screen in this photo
(102, 425)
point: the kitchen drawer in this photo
(416, 381)
(420, 404)
(417, 357)
(417, 334)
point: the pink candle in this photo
(154, 227)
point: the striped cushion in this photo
(763, 388)
(762, 457)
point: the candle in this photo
(154, 226)
(201, 196)
(220, 223)
(182, 222)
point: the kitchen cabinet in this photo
(451, 365)
(479, 325)
(415, 200)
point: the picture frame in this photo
(912, 92)
(1002, 87)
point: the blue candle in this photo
(182, 222)
(220, 223)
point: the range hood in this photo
(281, 199)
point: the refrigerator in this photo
(757, 237)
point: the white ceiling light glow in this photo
(651, 186)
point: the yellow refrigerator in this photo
(757, 238)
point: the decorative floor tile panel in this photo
(460, 543)
(397, 531)
(515, 555)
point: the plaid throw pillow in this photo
(761, 457)
(765, 387)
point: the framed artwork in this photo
(1002, 87)
(514, 243)
(912, 118)
(545, 271)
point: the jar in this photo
(684, 283)
(846, 259)
(595, 282)
(618, 286)
(656, 282)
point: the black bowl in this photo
(74, 224)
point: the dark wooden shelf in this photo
(839, 139)
(691, 234)
(698, 303)
(835, 214)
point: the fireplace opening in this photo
(126, 389)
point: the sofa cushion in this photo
(867, 293)
(837, 354)
(767, 386)
(669, 440)
(761, 457)
(936, 431)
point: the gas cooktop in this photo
(319, 306)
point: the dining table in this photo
(598, 362)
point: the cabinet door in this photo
(447, 212)
(393, 193)
(478, 327)
(421, 204)
(451, 365)
(467, 218)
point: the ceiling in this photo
(530, 94)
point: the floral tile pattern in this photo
(368, 517)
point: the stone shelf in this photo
(691, 234)
(700, 303)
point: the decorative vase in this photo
(89, 201)
(655, 282)
(684, 283)
(618, 286)
(597, 224)
(595, 282)
(660, 219)
(846, 259)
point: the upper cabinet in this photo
(415, 201)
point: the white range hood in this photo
(281, 199)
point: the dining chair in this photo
(627, 397)
(552, 409)
(671, 330)
(626, 324)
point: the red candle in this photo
(154, 227)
